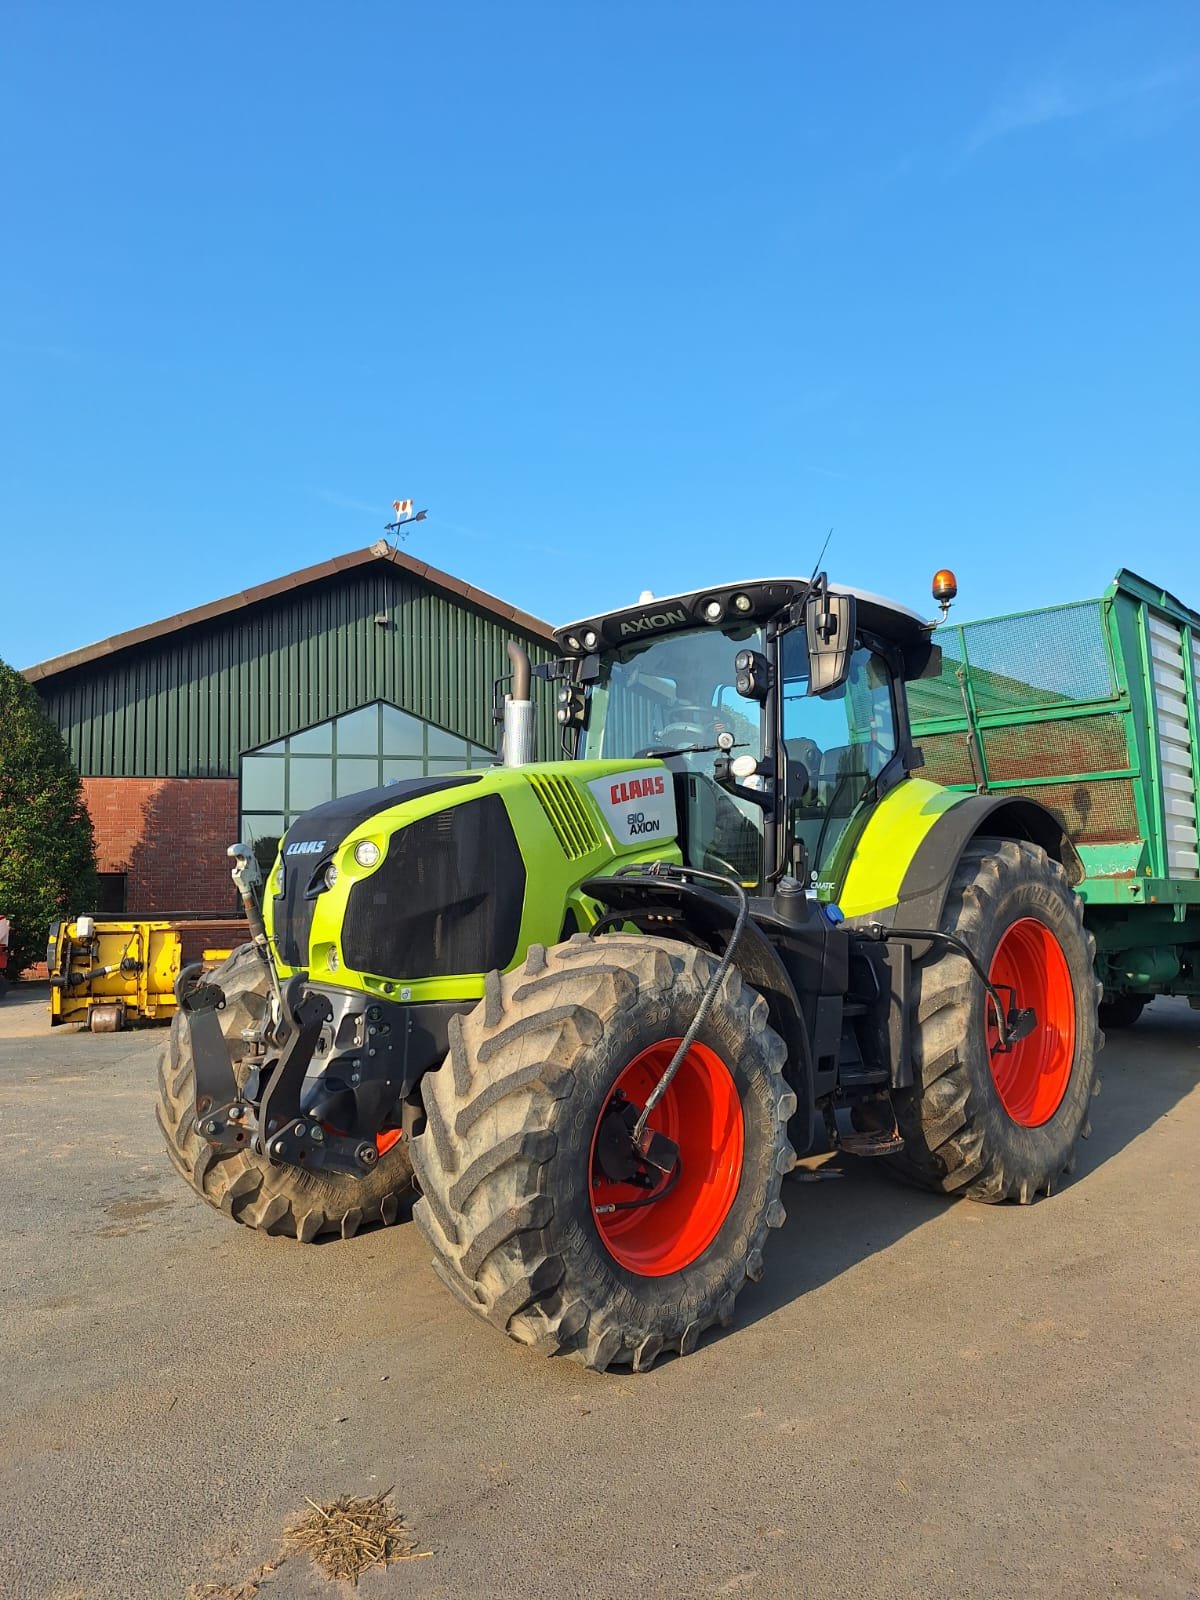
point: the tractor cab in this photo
(777, 704)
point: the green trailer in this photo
(1091, 708)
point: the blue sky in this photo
(628, 294)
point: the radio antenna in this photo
(820, 558)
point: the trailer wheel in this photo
(1122, 1010)
(252, 1190)
(531, 1223)
(991, 1125)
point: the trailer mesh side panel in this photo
(1018, 667)
(946, 758)
(1055, 749)
(932, 699)
(1045, 658)
(1093, 811)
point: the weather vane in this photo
(405, 516)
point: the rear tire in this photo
(994, 1126)
(507, 1163)
(251, 1189)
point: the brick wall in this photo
(169, 836)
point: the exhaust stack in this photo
(518, 748)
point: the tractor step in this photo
(871, 1144)
(884, 1140)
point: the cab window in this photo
(837, 745)
(672, 697)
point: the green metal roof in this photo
(186, 697)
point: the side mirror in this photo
(830, 623)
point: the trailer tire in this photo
(1002, 1126)
(1123, 1010)
(508, 1161)
(253, 1190)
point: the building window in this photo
(363, 749)
(110, 894)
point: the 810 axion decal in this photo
(639, 807)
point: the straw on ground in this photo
(345, 1537)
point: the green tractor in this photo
(597, 1006)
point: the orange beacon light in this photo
(945, 588)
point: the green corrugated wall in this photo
(189, 704)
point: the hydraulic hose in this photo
(663, 869)
(1011, 1025)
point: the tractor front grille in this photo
(445, 901)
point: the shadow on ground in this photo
(854, 1209)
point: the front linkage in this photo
(272, 1120)
(278, 1126)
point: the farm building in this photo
(228, 721)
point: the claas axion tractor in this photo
(597, 1006)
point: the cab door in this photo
(841, 751)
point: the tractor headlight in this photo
(366, 852)
(331, 875)
(331, 960)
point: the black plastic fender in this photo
(926, 884)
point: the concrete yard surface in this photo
(922, 1398)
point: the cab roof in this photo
(753, 600)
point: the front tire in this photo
(526, 1228)
(253, 1190)
(978, 1122)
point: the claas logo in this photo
(637, 789)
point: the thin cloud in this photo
(489, 538)
(1050, 100)
(345, 504)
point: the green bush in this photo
(47, 848)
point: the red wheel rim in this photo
(385, 1141)
(1031, 1078)
(702, 1113)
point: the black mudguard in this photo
(930, 872)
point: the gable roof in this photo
(380, 551)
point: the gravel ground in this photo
(920, 1399)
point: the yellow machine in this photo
(107, 974)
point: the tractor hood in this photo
(417, 890)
